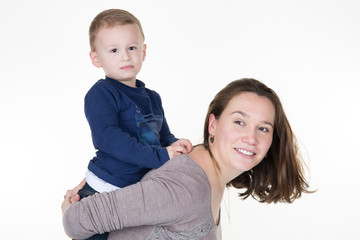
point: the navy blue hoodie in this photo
(128, 129)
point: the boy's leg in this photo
(87, 191)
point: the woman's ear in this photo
(212, 124)
(95, 60)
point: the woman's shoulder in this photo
(182, 170)
(184, 160)
(183, 164)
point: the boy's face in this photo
(120, 51)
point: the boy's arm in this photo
(175, 147)
(102, 115)
(166, 137)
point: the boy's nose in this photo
(125, 57)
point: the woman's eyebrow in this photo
(246, 115)
(240, 112)
(268, 123)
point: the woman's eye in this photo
(264, 129)
(114, 50)
(241, 123)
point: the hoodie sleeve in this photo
(167, 196)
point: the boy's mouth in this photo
(128, 67)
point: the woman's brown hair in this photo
(279, 177)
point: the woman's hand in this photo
(71, 196)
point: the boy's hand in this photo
(179, 147)
(72, 196)
(184, 143)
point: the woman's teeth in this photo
(245, 152)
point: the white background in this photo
(308, 51)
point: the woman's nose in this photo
(249, 137)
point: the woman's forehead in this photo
(250, 104)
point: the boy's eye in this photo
(132, 48)
(114, 50)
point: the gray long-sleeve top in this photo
(171, 202)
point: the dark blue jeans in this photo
(87, 191)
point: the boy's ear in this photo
(94, 59)
(212, 124)
(144, 52)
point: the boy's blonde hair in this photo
(111, 18)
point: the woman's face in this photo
(243, 133)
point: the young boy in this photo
(127, 121)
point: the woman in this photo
(248, 144)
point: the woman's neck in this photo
(214, 165)
(202, 157)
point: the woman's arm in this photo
(162, 199)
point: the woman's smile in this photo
(246, 126)
(245, 152)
